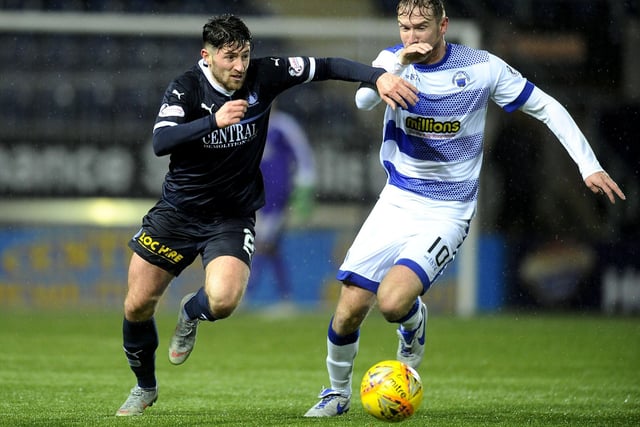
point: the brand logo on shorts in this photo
(249, 245)
(158, 248)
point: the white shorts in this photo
(402, 230)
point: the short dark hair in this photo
(226, 30)
(437, 7)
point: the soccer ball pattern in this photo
(391, 391)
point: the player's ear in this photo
(204, 53)
(444, 24)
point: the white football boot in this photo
(332, 403)
(139, 399)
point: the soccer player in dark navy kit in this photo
(213, 123)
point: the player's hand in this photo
(231, 112)
(415, 53)
(396, 91)
(601, 183)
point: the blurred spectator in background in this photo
(288, 170)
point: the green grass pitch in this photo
(248, 370)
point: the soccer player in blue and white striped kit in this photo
(432, 154)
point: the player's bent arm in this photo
(549, 111)
(167, 136)
(367, 97)
(392, 89)
(230, 113)
(345, 69)
(390, 61)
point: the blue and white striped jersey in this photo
(434, 149)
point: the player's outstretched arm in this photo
(396, 91)
(601, 183)
(549, 111)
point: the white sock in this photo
(340, 365)
(412, 323)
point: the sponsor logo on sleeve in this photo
(167, 110)
(296, 66)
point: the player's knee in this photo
(391, 315)
(223, 307)
(222, 311)
(137, 310)
(346, 325)
(391, 309)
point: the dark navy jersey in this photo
(216, 171)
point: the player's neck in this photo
(214, 82)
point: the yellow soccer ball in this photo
(391, 391)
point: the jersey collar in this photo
(217, 86)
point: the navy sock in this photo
(341, 340)
(140, 341)
(414, 310)
(198, 307)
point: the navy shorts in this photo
(172, 239)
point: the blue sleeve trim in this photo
(521, 99)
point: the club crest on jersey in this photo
(460, 79)
(296, 66)
(253, 98)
